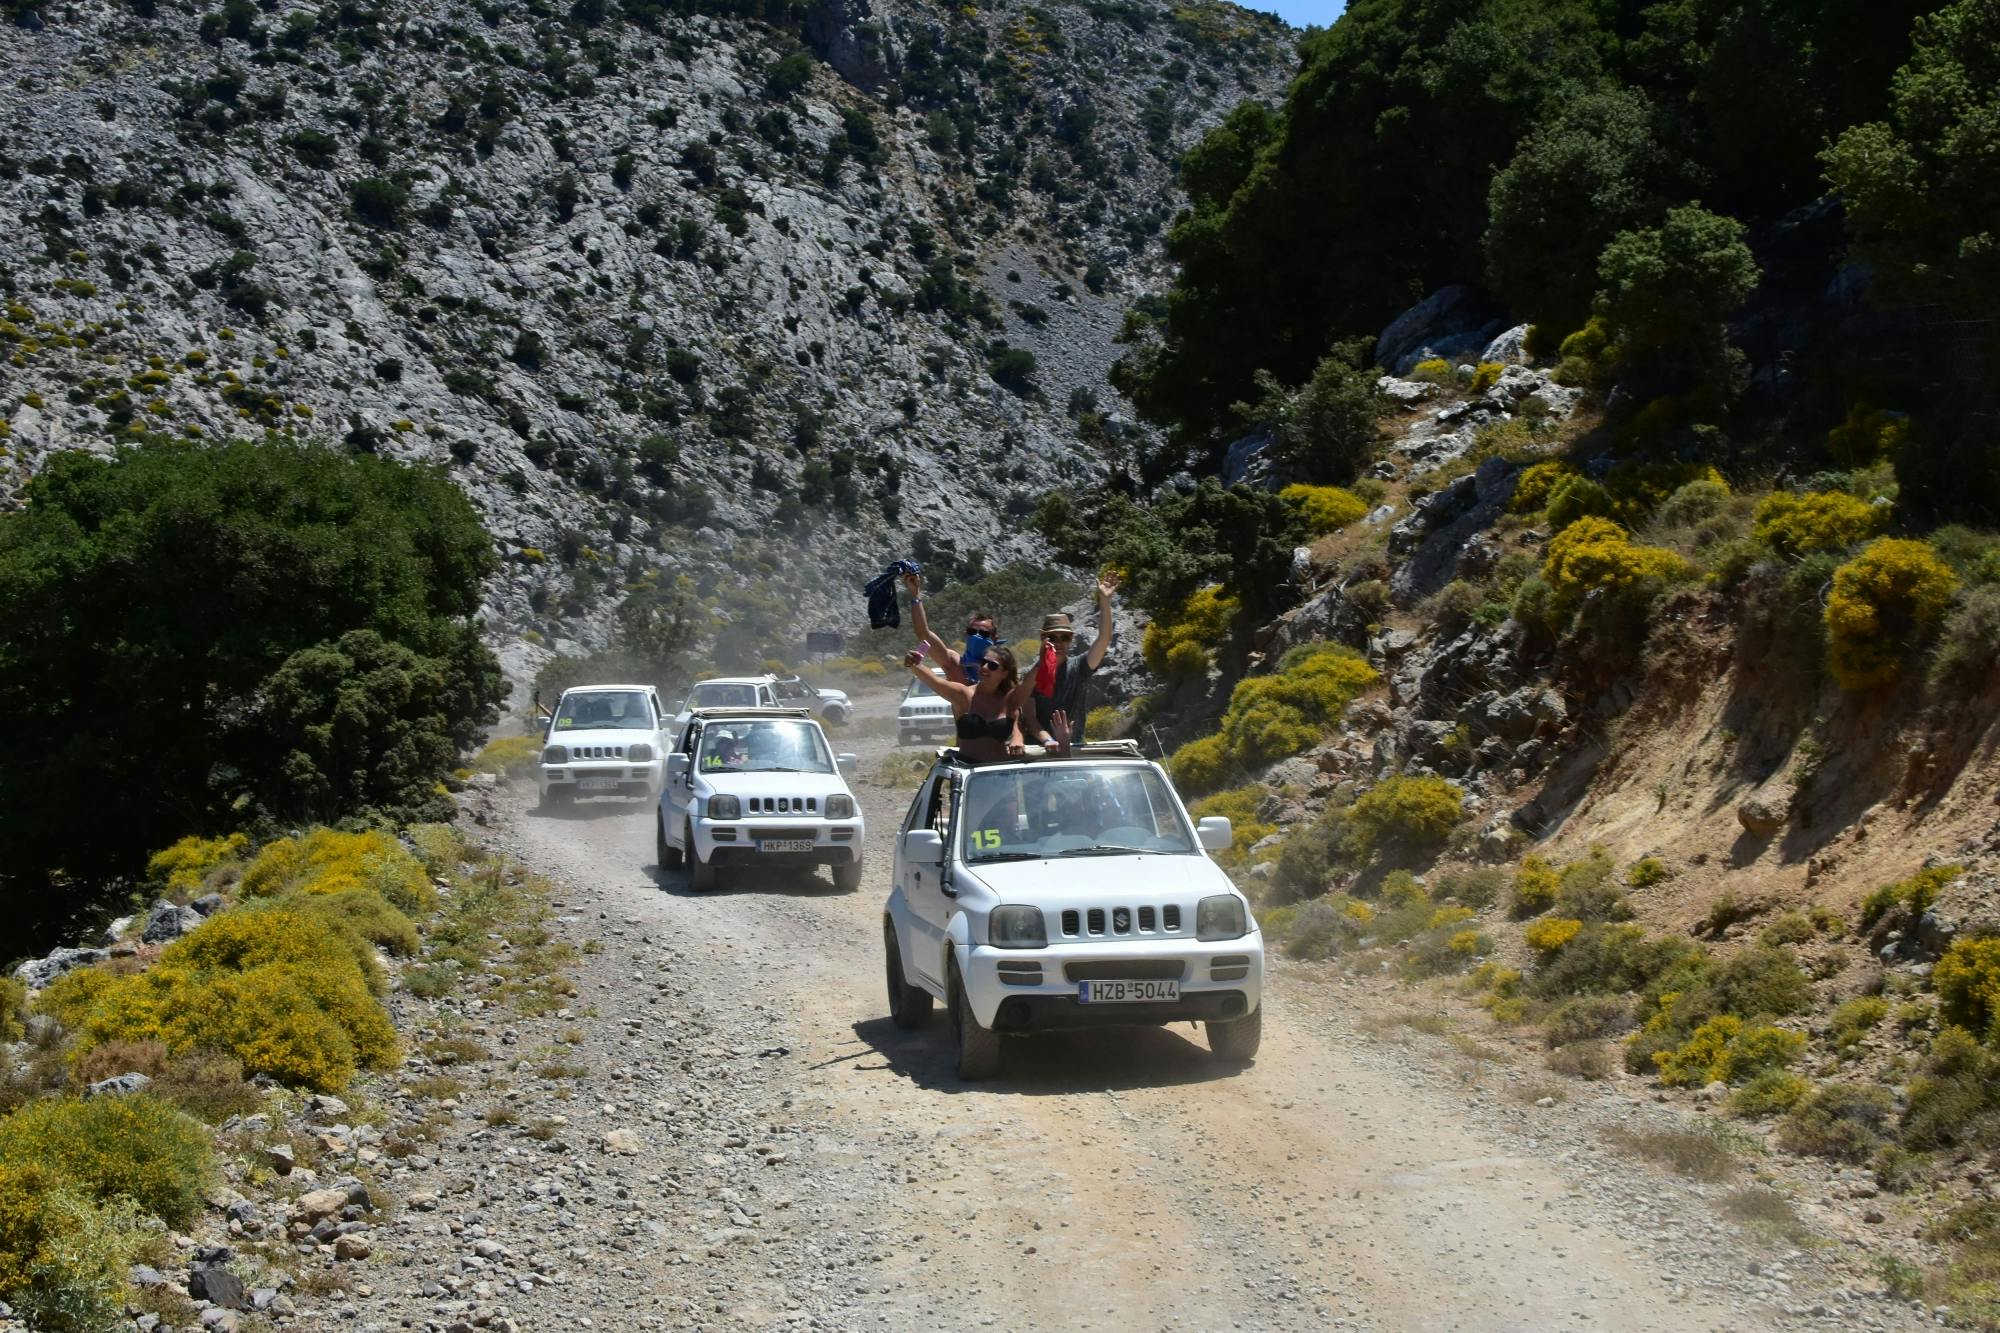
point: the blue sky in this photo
(1300, 13)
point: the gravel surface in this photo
(734, 1134)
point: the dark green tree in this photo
(212, 637)
(1667, 290)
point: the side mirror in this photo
(848, 763)
(677, 768)
(1215, 833)
(923, 847)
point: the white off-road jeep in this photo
(603, 740)
(766, 691)
(1066, 892)
(751, 788)
(923, 714)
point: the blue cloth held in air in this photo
(883, 613)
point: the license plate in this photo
(599, 784)
(785, 845)
(1127, 992)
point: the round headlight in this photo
(556, 754)
(639, 754)
(1220, 917)
(840, 807)
(728, 807)
(1015, 926)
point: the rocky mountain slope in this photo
(663, 289)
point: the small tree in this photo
(1667, 290)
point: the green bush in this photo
(1574, 497)
(1179, 647)
(134, 1147)
(1954, 1093)
(515, 756)
(1914, 895)
(1842, 1121)
(1968, 647)
(1882, 602)
(1759, 982)
(1478, 887)
(331, 687)
(1667, 290)
(1586, 1017)
(1405, 812)
(13, 1008)
(63, 1257)
(1647, 871)
(1307, 857)
(1605, 959)
(1589, 890)
(1240, 808)
(1852, 1021)
(1772, 1092)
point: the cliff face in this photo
(697, 292)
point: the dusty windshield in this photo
(1012, 814)
(763, 746)
(604, 710)
(718, 694)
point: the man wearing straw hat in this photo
(1061, 684)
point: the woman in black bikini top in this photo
(987, 716)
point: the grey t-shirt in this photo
(1071, 693)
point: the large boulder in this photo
(1453, 323)
(1444, 523)
(169, 921)
(39, 972)
(1763, 814)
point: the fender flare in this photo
(958, 938)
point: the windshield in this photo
(718, 694)
(1012, 814)
(604, 710)
(919, 690)
(756, 745)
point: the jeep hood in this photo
(1140, 877)
(738, 783)
(600, 736)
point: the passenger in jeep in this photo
(981, 633)
(987, 716)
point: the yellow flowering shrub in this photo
(1550, 934)
(1466, 943)
(1868, 436)
(1324, 508)
(1432, 370)
(1178, 647)
(1273, 716)
(327, 861)
(182, 867)
(512, 755)
(1484, 376)
(1358, 912)
(1414, 811)
(1239, 807)
(63, 1257)
(1968, 985)
(303, 1026)
(1882, 600)
(1535, 885)
(1795, 525)
(137, 1147)
(368, 915)
(1726, 1049)
(1531, 491)
(1596, 555)
(1448, 916)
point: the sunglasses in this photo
(985, 631)
(990, 665)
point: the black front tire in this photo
(701, 874)
(846, 876)
(664, 851)
(909, 1006)
(1236, 1041)
(557, 798)
(975, 1050)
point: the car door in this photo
(930, 906)
(662, 733)
(674, 797)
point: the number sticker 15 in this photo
(986, 840)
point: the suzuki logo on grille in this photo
(1121, 920)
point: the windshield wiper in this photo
(1108, 850)
(784, 770)
(991, 857)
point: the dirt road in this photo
(1107, 1180)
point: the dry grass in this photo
(1702, 1154)
(1589, 1060)
(1766, 1212)
(454, 1051)
(434, 1089)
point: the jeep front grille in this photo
(1144, 919)
(781, 805)
(596, 752)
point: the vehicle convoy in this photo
(757, 788)
(922, 714)
(765, 691)
(603, 740)
(1062, 892)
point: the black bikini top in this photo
(973, 727)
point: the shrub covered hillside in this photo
(710, 289)
(150, 1082)
(1610, 641)
(225, 637)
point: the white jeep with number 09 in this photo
(1066, 892)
